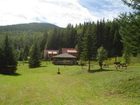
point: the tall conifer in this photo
(34, 60)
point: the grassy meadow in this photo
(74, 86)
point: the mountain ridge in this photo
(28, 27)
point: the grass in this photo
(43, 86)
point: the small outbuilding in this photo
(65, 59)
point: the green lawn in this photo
(43, 86)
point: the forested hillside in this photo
(24, 35)
(26, 32)
(32, 27)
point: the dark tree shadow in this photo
(10, 74)
(99, 70)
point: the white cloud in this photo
(108, 9)
(59, 12)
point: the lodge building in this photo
(64, 56)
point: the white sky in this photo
(59, 12)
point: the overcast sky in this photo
(59, 12)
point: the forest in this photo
(119, 37)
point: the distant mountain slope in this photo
(34, 27)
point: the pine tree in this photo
(34, 60)
(8, 60)
(101, 56)
(89, 47)
(71, 38)
(1, 58)
(25, 52)
(130, 30)
(135, 4)
(21, 57)
(43, 41)
(80, 38)
(8, 54)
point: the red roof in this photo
(51, 51)
(69, 50)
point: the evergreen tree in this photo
(130, 33)
(89, 47)
(101, 56)
(34, 60)
(25, 52)
(71, 36)
(43, 41)
(80, 38)
(21, 57)
(8, 54)
(130, 29)
(8, 60)
(108, 36)
(1, 58)
(135, 4)
(53, 39)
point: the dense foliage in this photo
(102, 33)
(34, 60)
(8, 60)
(130, 29)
